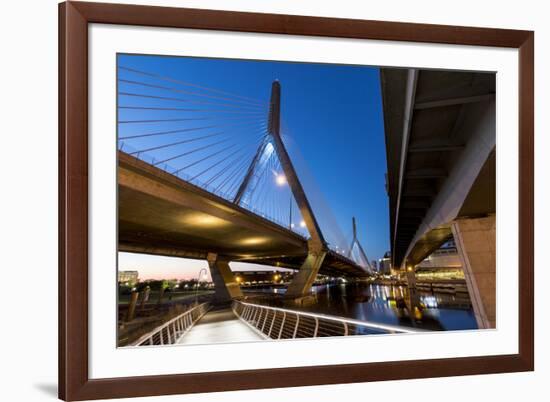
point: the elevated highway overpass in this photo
(161, 214)
(441, 155)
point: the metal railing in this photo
(279, 323)
(171, 331)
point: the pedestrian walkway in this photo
(220, 326)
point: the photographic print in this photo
(267, 200)
(252, 200)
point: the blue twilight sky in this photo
(331, 120)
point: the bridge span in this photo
(441, 154)
(160, 213)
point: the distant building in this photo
(384, 264)
(443, 263)
(374, 265)
(128, 278)
(262, 277)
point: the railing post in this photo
(272, 322)
(345, 328)
(282, 325)
(261, 310)
(265, 319)
(132, 306)
(316, 327)
(296, 327)
(255, 315)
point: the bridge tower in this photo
(354, 242)
(317, 246)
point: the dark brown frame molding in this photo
(74, 17)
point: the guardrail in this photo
(279, 323)
(169, 332)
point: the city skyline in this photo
(177, 268)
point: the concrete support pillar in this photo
(225, 285)
(412, 298)
(475, 240)
(161, 295)
(132, 306)
(145, 297)
(303, 280)
(411, 278)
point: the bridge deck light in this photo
(204, 220)
(253, 241)
(303, 224)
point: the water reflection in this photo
(393, 305)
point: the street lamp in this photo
(280, 179)
(198, 283)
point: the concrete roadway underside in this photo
(164, 215)
(440, 135)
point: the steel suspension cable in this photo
(185, 130)
(181, 91)
(234, 183)
(177, 143)
(190, 152)
(178, 109)
(203, 159)
(174, 120)
(234, 172)
(219, 162)
(230, 106)
(184, 83)
(224, 169)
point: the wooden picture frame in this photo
(74, 381)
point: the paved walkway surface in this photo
(219, 326)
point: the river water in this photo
(388, 304)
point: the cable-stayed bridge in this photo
(206, 174)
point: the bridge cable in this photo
(185, 83)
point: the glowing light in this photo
(204, 220)
(292, 225)
(253, 241)
(303, 224)
(280, 179)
